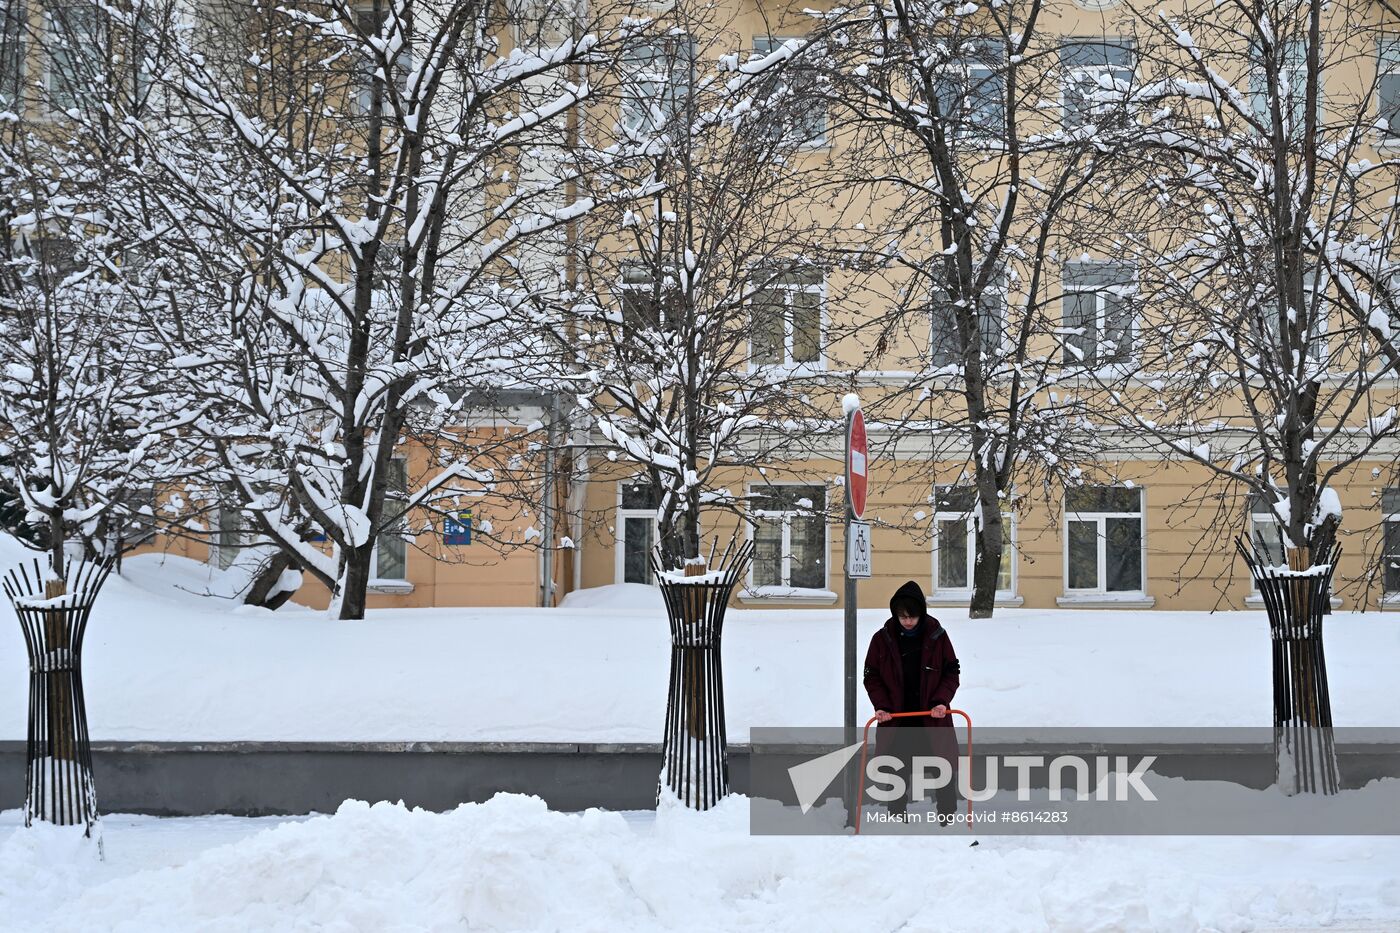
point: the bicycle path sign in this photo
(858, 550)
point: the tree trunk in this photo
(354, 582)
(262, 591)
(690, 529)
(56, 541)
(986, 570)
(63, 737)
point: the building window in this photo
(795, 90)
(787, 317)
(1098, 313)
(1390, 554)
(541, 25)
(648, 305)
(75, 42)
(945, 348)
(955, 542)
(636, 531)
(13, 23)
(971, 96)
(390, 560)
(1103, 540)
(372, 30)
(789, 536)
(659, 81)
(1388, 85)
(1314, 312)
(1096, 72)
(230, 537)
(1266, 534)
(53, 258)
(1292, 67)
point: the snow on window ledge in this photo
(783, 595)
(1105, 601)
(1255, 601)
(390, 587)
(964, 597)
(1389, 599)
(789, 370)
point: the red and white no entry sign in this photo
(856, 459)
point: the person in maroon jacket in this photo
(910, 666)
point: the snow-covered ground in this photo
(162, 663)
(165, 663)
(510, 864)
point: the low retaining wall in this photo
(281, 778)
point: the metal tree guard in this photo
(695, 756)
(1295, 598)
(58, 767)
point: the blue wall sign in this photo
(457, 529)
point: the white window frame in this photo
(376, 581)
(1010, 545)
(17, 14)
(817, 288)
(1321, 325)
(821, 139)
(53, 37)
(240, 533)
(1000, 291)
(400, 69)
(1388, 517)
(620, 535)
(1101, 537)
(541, 13)
(645, 285)
(1101, 317)
(1074, 74)
(1387, 66)
(635, 106)
(964, 70)
(1258, 521)
(786, 546)
(1259, 93)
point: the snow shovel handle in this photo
(865, 748)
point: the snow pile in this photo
(42, 867)
(511, 864)
(633, 597)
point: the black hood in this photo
(909, 593)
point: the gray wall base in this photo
(283, 778)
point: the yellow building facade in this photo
(1147, 531)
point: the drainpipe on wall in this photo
(547, 502)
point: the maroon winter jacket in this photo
(884, 671)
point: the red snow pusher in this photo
(865, 749)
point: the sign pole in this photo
(849, 719)
(850, 597)
(858, 564)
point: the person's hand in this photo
(882, 716)
(939, 711)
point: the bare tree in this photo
(1253, 360)
(697, 317)
(86, 432)
(345, 185)
(957, 139)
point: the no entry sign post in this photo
(857, 458)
